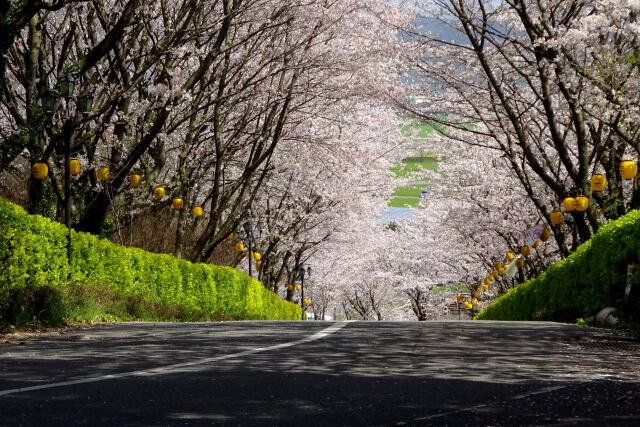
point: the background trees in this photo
(530, 99)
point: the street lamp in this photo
(248, 231)
(299, 272)
(84, 104)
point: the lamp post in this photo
(248, 230)
(300, 272)
(84, 104)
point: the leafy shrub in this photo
(591, 278)
(33, 254)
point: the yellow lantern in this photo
(74, 167)
(497, 265)
(459, 297)
(258, 266)
(509, 256)
(490, 278)
(546, 234)
(476, 294)
(569, 204)
(556, 217)
(485, 288)
(598, 181)
(474, 301)
(39, 170)
(582, 203)
(257, 256)
(628, 169)
(495, 273)
(298, 287)
(230, 237)
(134, 180)
(536, 243)
(289, 287)
(239, 247)
(177, 203)
(525, 250)
(102, 173)
(158, 193)
(197, 211)
(501, 271)
(520, 263)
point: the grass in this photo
(33, 307)
(404, 196)
(400, 202)
(413, 191)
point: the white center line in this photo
(177, 366)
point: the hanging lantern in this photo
(490, 278)
(298, 287)
(569, 204)
(50, 101)
(239, 247)
(476, 294)
(459, 297)
(628, 169)
(501, 271)
(495, 273)
(546, 234)
(257, 256)
(74, 167)
(520, 263)
(258, 266)
(85, 103)
(120, 128)
(39, 170)
(497, 265)
(536, 243)
(556, 217)
(582, 203)
(509, 256)
(485, 288)
(67, 86)
(474, 301)
(134, 180)
(158, 193)
(197, 211)
(177, 203)
(525, 250)
(230, 237)
(598, 181)
(102, 173)
(289, 287)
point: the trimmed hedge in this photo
(591, 278)
(33, 254)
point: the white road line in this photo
(488, 404)
(177, 366)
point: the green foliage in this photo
(593, 277)
(33, 255)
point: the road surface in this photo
(321, 374)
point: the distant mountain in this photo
(437, 29)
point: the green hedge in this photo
(591, 278)
(33, 253)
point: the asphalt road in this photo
(321, 374)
